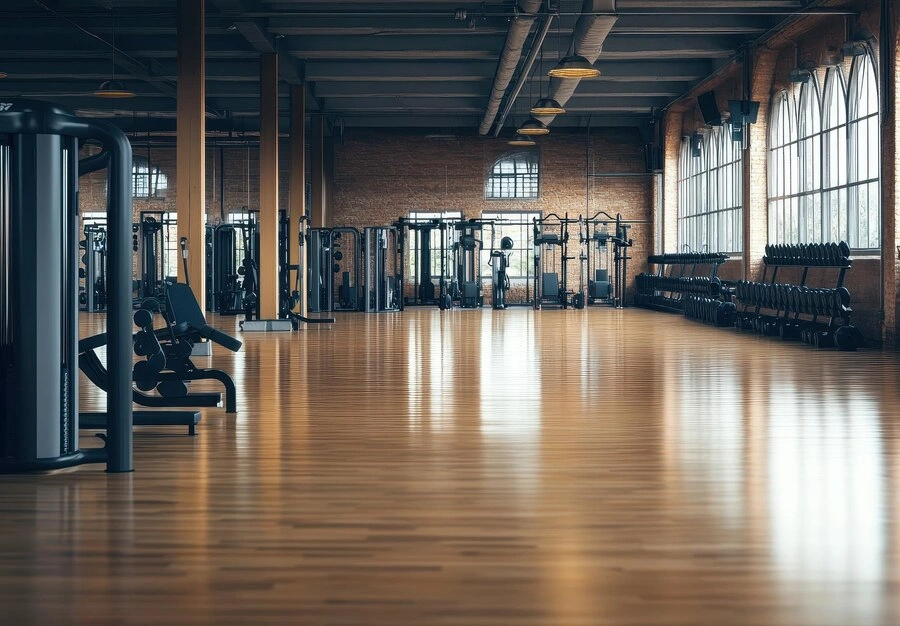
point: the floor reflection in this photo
(624, 468)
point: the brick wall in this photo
(381, 176)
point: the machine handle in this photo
(227, 341)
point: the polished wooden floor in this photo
(557, 468)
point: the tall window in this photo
(834, 171)
(518, 226)
(710, 193)
(149, 181)
(824, 160)
(514, 176)
(864, 142)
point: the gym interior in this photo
(511, 312)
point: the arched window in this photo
(784, 174)
(863, 227)
(824, 160)
(710, 194)
(808, 224)
(514, 176)
(834, 129)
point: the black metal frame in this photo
(42, 141)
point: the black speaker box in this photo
(709, 109)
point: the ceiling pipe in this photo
(519, 29)
(596, 20)
(524, 74)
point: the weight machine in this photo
(551, 257)
(92, 296)
(39, 247)
(346, 254)
(499, 262)
(467, 287)
(421, 241)
(381, 275)
(604, 250)
(333, 267)
(147, 241)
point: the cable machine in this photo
(346, 256)
(39, 247)
(467, 287)
(92, 295)
(381, 276)
(604, 250)
(551, 258)
(420, 241)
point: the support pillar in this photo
(297, 227)
(755, 174)
(671, 145)
(268, 187)
(191, 137)
(318, 205)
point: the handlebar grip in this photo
(227, 341)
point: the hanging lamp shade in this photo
(574, 66)
(547, 106)
(533, 127)
(521, 141)
(113, 89)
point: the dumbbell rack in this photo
(677, 277)
(794, 311)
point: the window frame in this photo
(710, 193)
(518, 178)
(830, 209)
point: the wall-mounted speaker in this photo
(709, 109)
(696, 145)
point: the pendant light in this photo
(572, 65)
(113, 89)
(546, 106)
(521, 141)
(533, 126)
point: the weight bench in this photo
(184, 323)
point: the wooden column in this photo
(298, 189)
(191, 139)
(268, 186)
(317, 216)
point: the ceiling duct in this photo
(519, 28)
(596, 20)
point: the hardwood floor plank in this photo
(559, 468)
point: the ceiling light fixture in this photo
(547, 106)
(574, 66)
(521, 141)
(113, 89)
(533, 126)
